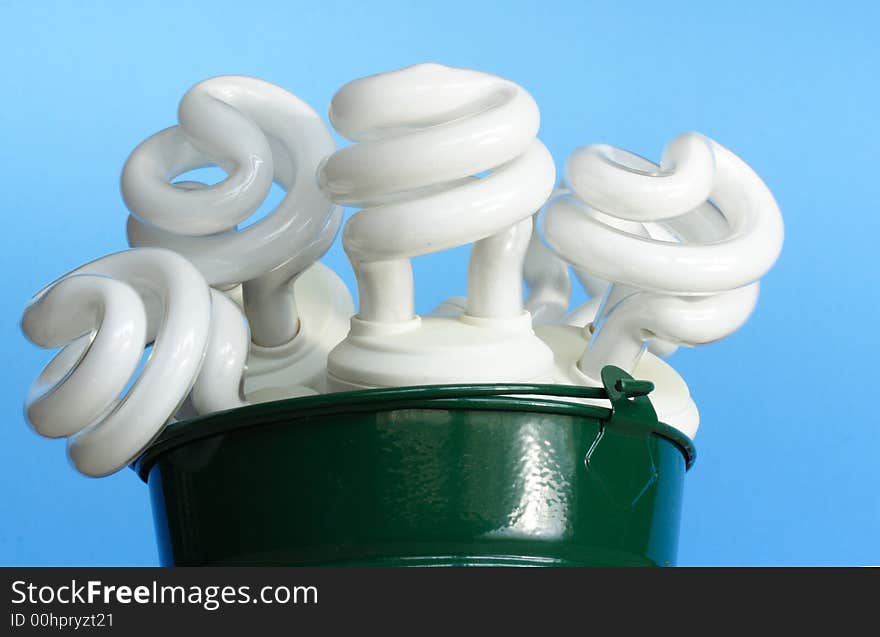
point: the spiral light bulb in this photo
(258, 133)
(683, 245)
(103, 315)
(424, 134)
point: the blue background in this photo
(788, 446)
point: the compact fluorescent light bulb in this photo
(682, 245)
(423, 136)
(103, 315)
(258, 133)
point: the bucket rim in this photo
(506, 397)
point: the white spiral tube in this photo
(603, 295)
(547, 279)
(104, 314)
(424, 133)
(257, 133)
(549, 283)
(616, 226)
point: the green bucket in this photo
(452, 475)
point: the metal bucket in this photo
(449, 475)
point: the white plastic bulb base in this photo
(431, 350)
(671, 397)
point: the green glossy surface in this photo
(417, 477)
